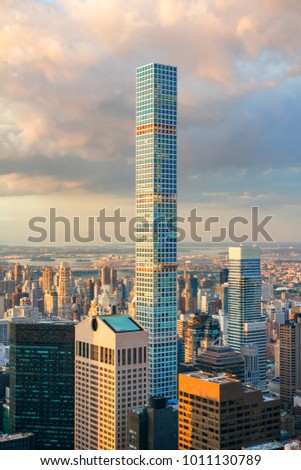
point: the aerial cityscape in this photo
(153, 324)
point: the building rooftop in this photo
(226, 378)
(121, 323)
(11, 437)
(222, 378)
(269, 445)
(42, 321)
(219, 353)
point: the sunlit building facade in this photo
(64, 292)
(110, 380)
(218, 412)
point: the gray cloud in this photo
(67, 86)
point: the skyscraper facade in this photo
(287, 336)
(246, 324)
(18, 273)
(110, 379)
(156, 206)
(64, 292)
(51, 303)
(47, 278)
(298, 352)
(42, 382)
(105, 276)
(218, 412)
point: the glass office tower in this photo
(42, 382)
(246, 325)
(156, 208)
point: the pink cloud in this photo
(16, 184)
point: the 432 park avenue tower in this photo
(156, 206)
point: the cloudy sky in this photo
(67, 114)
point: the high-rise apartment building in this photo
(110, 379)
(287, 338)
(1, 306)
(51, 303)
(18, 273)
(194, 333)
(245, 323)
(108, 278)
(298, 352)
(47, 279)
(156, 205)
(64, 291)
(113, 277)
(217, 412)
(105, 276)
(42, 381)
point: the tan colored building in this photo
(218, 412)
(287, 346)
(18, 273)
(110, 379)
(64, 292)
(47, 279)
(51, 303)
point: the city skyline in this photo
(166, 348)
(68, 107)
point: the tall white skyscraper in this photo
(245, 322)
(156, 205)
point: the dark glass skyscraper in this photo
(156, 205)
(42, 382)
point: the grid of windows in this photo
(246, 324)
(156, 204)
(109, 381)
(42, 383)
(236, 419)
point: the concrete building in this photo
(107, 304)
(154, 427)
(110, 379)
(108, 278)
(105, 276)
(219, 358)
(287, 351)
(1, 306)
(47, 279)
(298, 353)
(64, 292)
(18, 273)
(51, 303)
(219, 412)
